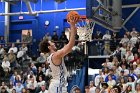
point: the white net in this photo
(85, 30)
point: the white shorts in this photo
(54, 87)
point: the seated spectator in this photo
(133, 31)
(136, 57)
(123, 82)
(32, 85)
(104, 88)
(97, 78)
(39, 73)
(14, 91)
(42, 58)
(129, 56)
(98, 35)
(6, 64)
(13, 48)
(3, 86)
(111, 73)
(107, 36)
(41, 82)
(101, 80)
(47, 36)
(126, 71)
(137, 88)
(17, 79)
(12, 78)
(125, 39)
(1, 50)
(43, 89)
(3, 90)
(123, 50)
(77, 90)
(33, 68)
(12, 58)
(30, 76)
(19, 87)
(131, 84)
(55, 36)
(24, 90)
(136, 69)
(11, 87)
(127, 33)
(22, 51)
(92, 87)
(111, 82)
(87, 89)
(97, 90)
(63, 37)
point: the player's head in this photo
(46, 46)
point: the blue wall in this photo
(2, 20)
(38, 23)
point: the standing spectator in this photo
(55, 36)
(13, 48)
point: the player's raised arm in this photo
(67, 48)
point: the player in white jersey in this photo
(58, 83)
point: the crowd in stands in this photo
(121, 72)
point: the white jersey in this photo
(59, 75)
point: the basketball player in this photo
(58, 83)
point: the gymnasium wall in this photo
(1, 21)
(37, 23)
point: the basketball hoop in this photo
(85, 29)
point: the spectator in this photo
(111, 82)
(6, 65)
(87, 89)
(98, 35)
(3, 90)
(124, 40)
(1, 50)
(104, 88)
(3, 86)
(19, 87)
(131, 84)
(24, 90)
(32, 85)
(97, 78)
(33, 68)
(92, 87)
(137, 88)
(42, 58)
(11, 87)
(55, 36)
(43, 89)
(40, 73)
(12, 59)
(63, 37)
(97, 90)
(13, 48)
(77, 90)
(47, 36)
(14, 91)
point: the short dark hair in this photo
(77, 89)
(43, 46)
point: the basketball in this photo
(72, 14)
